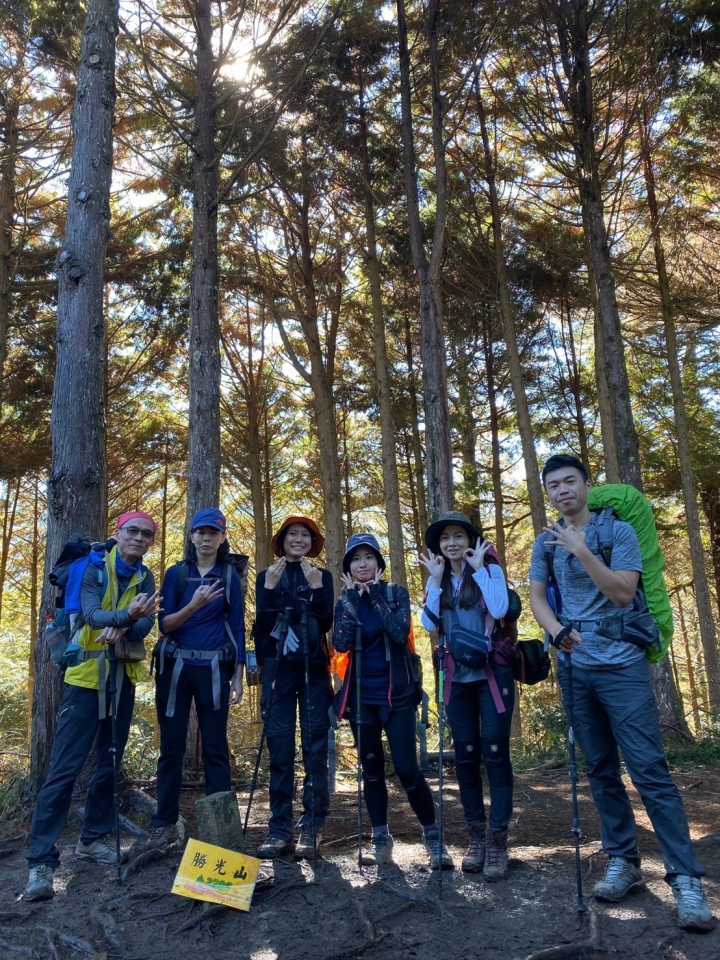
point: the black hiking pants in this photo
(400, 732)
(280, 717)
(78, 725)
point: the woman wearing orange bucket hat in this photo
(294, 612)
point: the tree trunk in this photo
(708, 635)
(391, 484)
(76, 489)
(498, 499)
(710, 498)
(34, 565)
(522, 409)
(438, 446)
(7, 218)
(203, 484)
(610, 454)
(8, 524)
(690, 667)
(417, 445)
(574, 378)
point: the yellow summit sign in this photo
(213, 873)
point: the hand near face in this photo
(569, 537)
(312, 574)
(435, 566)
(273, 574)
(476, 556)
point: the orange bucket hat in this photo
(318, 540)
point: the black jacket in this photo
(294, 592)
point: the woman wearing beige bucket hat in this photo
(294, 612)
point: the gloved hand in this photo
(292, 642)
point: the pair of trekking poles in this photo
(304, 638)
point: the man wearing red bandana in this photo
(119, 602)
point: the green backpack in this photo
(627, 503)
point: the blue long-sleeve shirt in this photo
(205, 629)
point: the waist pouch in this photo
(130, 651)
(634, 626)
(533, 662)
(468, 648)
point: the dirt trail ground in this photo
(333, 911)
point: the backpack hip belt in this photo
(168, 648)
(608, 625)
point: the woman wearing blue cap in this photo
(389, 693)
(200, 657)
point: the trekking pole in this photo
(112, 687)
(569, 706)
(285, 619)
(441, 733)
(305, 637)
(358, 725)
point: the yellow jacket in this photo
(85, 674)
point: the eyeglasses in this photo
(139, 531)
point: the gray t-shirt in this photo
(581, 598)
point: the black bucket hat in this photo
(452, 519)
(362, 540)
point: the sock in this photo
(378, 831)
(431, 830)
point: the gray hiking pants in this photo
(616, 708)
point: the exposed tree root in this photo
(107, 929)
(147, 856)
(207, 913)
(576, 950)
(11, 948)
(350, 953)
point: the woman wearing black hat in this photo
(389, 693)
(466, 593)
(294, 608)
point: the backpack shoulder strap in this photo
(605, 522)
(182, 568)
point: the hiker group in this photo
(585, 592)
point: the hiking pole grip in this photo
(570, 707)
(358, 725)
(112, 689)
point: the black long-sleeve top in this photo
(292, 592)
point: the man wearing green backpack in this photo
(590, 603)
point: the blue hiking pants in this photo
(616, 709)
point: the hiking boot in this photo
(100, 850)
(621, 878)
(40, 883)
(381, 848)
(694, 911)
(304, 849)
(163, 837)
(437, 851)
(496, 857)
(273, 846)
(474, 859)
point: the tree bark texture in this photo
(710, 499)
(708, 635)
(203, 485)
(419, 487)
(571, 23)
(391, 483)
(522, 408)
(438, 447)
(9, 133)
(76, 489)
(498, 499)
(12, 495)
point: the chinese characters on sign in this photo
(222, 876)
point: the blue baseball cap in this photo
(209, 517)
(362, 540)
